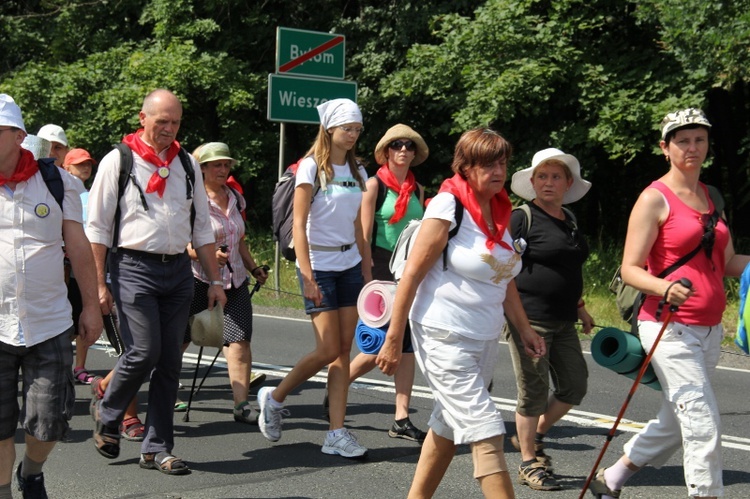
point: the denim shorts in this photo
(340, 288)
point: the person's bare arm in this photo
(207, 259)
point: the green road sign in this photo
(293, 99)
(309, 53)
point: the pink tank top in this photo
(680, 234)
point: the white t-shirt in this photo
(467, 298)
(332, 215)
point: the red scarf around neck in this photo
(404, 191)
(499, 204)
(25, 168)
(156, 183)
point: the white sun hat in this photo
(521, 182)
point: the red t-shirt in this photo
(681, 234)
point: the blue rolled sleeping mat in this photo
(369, 339)
(622, 353)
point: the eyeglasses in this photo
(351, 129)
(573, 228)
(396, 145)
(708, 220)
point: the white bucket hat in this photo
(10, 113)
(521, 182)
(207, 327)
(53, 133)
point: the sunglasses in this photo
(573, 228)
(708, 220)
(396, 145)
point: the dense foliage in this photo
(591, 77)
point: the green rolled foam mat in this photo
(622, 353)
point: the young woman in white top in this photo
(330, 248)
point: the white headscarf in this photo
(339, 112)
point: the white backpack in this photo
(409, 235)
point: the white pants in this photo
(685, 359)
(458, 371)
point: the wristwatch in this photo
(217, 283)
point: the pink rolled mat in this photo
(375, 303)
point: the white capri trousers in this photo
(458, 371)
(684, 361)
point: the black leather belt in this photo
(159, 257)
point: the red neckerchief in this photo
(25, 168)
(500, 205)
(156, 183)
(404, 191)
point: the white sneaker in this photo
(344, 445)
(269, 419)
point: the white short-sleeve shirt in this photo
(34, 303)
(468, 297)
(332, 215)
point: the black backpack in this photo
(126, 173)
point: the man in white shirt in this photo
(35, 316)
(152, 280)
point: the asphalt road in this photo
(231, 460)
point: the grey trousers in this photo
(153, 300)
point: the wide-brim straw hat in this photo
(521, 181)
(401, 131)
(207, 327)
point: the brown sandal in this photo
(598, 486)
(537, 477)
(164, 462)
(106, 439)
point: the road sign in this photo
(309, 53)
(293, 99)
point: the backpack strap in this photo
(526, 210)
(382, 192)
(126, 173)
(717, 199)
(187, 164)
(458, 214)
(52, 178)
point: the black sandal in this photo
(164, 462)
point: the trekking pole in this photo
(257, 285)
(672, 308)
